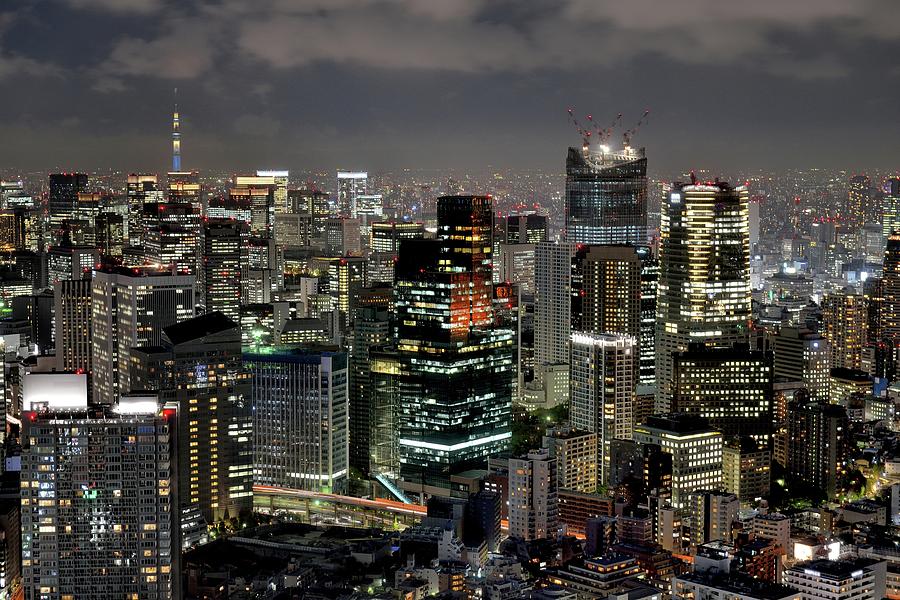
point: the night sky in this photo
(461, 84)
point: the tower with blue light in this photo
(176, 138)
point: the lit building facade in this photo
(704, 273)
(533, 499)
(300, 419)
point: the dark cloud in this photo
(383, 83)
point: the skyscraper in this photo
(172, 236)
(803, 356)
(220, 272)
(258, 192)
(890, 305)
(350, 185)
(73, 325)
(64, 190)
(890, 218)
(99, 514)
(129, 308)
(300, 418)
(704, 273)
(731, 387)
(602, 380)
(552, 304)
(526, 229)
(140, 188)
(456, 375)
(818, 442)
(858, 200)
(844, 321)
(196, 365)
(606, 196)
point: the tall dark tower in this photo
(606, 196)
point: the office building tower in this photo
(346, 276)
(890, 304)
(371, 329)
(259, 194)
(533, 500)
(647, 338)
(386, 236)
(526, 229)
(845, 386)
(801, 355)
(184, 187)
(746, 470)
(314, 207)
(72, 300)
(818, 443)
(99, 518)
(859, 201)
(844, 321)
(220, 272)
(704, 273)
(602, 380)
(196, 366)
(774, 526)
(606, 196)
(350, 185)
(70, 262)
(12, 230)
(280, 184)
(130, 308)
(730, 387)
(517, 266)
(140, 188)
(455, 377)
(172, 236)
(343, 237)
(63, 198)
(367, 208)
(110, 234)
(696, 450)
(849, 579)
(890, 218)
(576, 455)
(465, 227)
(300, 418)
(712, 515)
(384, 441)
(552, 305)
(606, 297)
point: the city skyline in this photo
(370, 84)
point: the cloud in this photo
(257, 126)
(121, 6)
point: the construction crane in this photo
(584, 133)
(629, 133)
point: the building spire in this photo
(176, 138)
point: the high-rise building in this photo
(647, 338)
(576, 455)
(313, 206)
(129, 308)
(696, 450)
(552, 304)
(858, 200)
(258, 192)
(280, 183)
(371, 329)
(185, 187)
(197, 367)
(300, 418)
(608, 294)
(800, 355)
(818, 443)
(350, 185)
(746, 470)
(99, 514)
(343, 237)
(533, 501)
(890, 303)
(704, 273)
(602, 381)
(220, 272)
(517, 266)
(606, 196)
(890, 218)
(140, 188)
(110, 234)
(172, 236)
(526, 229)
(387, 235)
(456, 376)
(844, 321)
(730, 387)
(63, 198)
(73, 325)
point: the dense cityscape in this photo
(639, 372)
